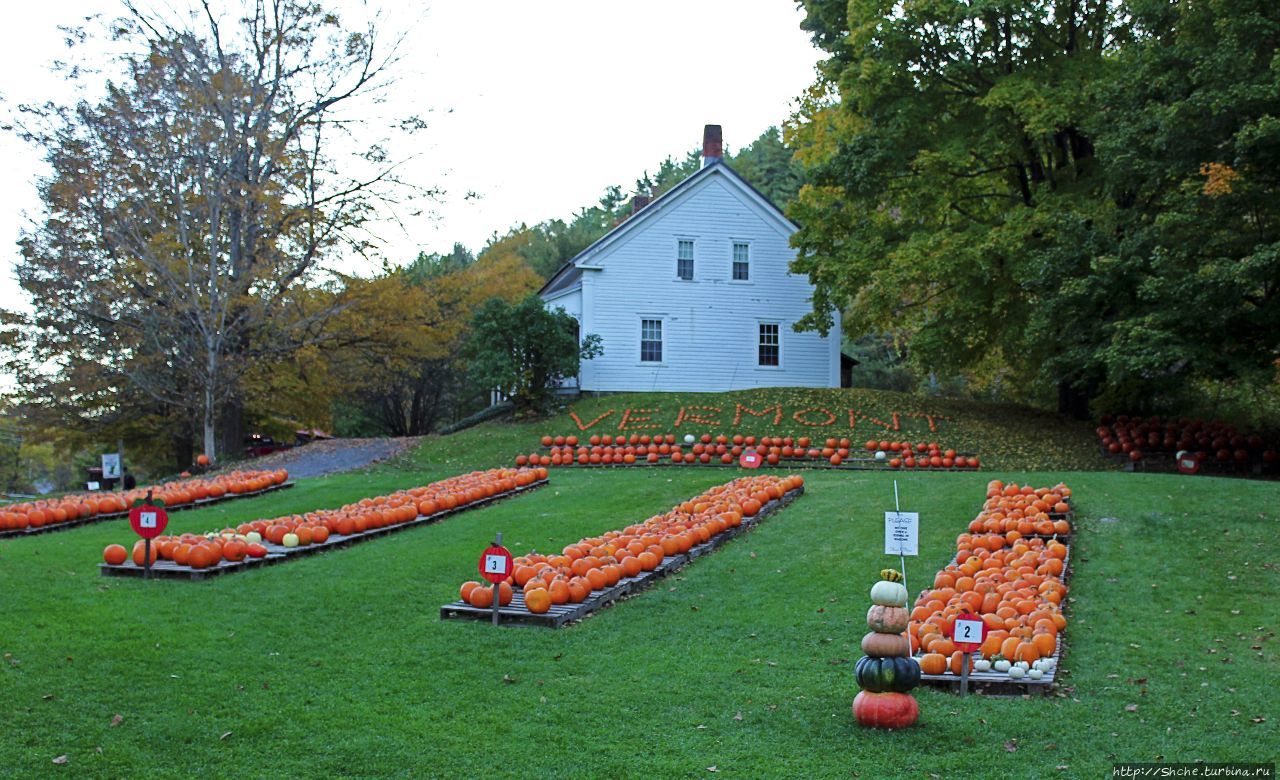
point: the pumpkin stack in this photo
(888, 671)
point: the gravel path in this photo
(334, 455)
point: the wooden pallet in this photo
(198, 504)
(995, 683)
(847, 465)
(516, 614)
(277, 553)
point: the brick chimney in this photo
(639, 202)
(712, 145)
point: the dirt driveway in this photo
(334, 455)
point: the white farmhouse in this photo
(693, 293)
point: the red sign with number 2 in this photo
(968, 632)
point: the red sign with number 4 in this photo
(968, 632)
(495, 564)
(148, 521)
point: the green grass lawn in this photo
(338, 664)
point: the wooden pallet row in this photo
(516, 614)
(847, 465)
(277, 553)
(1000, 683)
(197, 504)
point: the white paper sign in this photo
(111, 466)
(968, 631)
(146, 519)
(94, 486)
(495, 564)
(901, 533)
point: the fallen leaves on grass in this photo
(117, 719)
(60, 760)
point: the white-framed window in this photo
(769, 349)
(650, 340)
(684, 259)
(741, 262)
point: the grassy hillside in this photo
(1003, 436)
(338, 664)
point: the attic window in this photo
(741, 262)
(684, 259)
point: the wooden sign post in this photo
(495, 566)
(968, 632)
(148, 519)
(901, 534)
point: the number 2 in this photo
(969, 631)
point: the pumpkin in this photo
(889, 710)
(933, 663)
(878, 675)
(889, 594)
(887, 620)
(880, 645)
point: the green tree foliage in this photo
(1083, 192)
(187, 207)
(525, 350)
(390, 359)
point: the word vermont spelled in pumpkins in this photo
(887, 672)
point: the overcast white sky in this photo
(536, 105)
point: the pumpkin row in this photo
(727, 454)
(1135, 437)
(1014, 584)
(599, 562)
(174, 495)
(283, 534)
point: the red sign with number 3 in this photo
(968, 632)
(495, 564)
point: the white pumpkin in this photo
(889, 594)
(981, 665)
(1035, 674)
(1001, 665)
(1017, 672)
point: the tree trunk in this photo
(231, 419)
(1072, 401)
(182, 443)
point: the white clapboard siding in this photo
(710, 324)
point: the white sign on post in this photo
(94, 486)
(147, 519)
(111, 465)
(495, 564)
(901, 533)
(968, 631)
